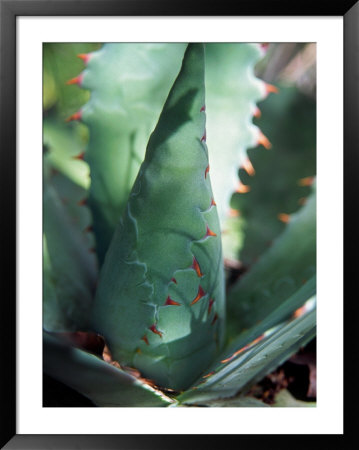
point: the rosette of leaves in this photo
(159, 307)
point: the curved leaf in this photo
(160, 299)
(101, 382)
(281, 270)
(233, 91)
(247, 367)
(70, 269)
(282, 175)
(128, 85)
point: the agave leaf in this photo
(101, 382)
(281, 313)
(128, 84)
(160, 299)
(70, 269)
(65, 144)
(236, 402)
(60, 65)
(281, 270)
(247, 367)
(233, 91)
(282, 175)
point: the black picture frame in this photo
(9, 10)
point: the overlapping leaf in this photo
(70, 268)
(101, 382)
(128, 84)
(160, 299)
(282, 175)
(247, 367)
(282, 269)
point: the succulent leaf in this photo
(233, 91)
(128, 85)
(65, 143)
(61, 65)
(70, 269)
(160, 299)
(101, 382)
(282, 269)
(249, 366)
(281, 313)
(283, 175)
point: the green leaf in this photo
(101, 382)
(282, 174)
(64, 143)
(128, 84)
(59, 66)
(279, 314)
(281, 270)
(235, 402)
(247, 367)
(70, 269)
(232, 93)
(160, 299)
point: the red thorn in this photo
(307, 181)
(263, 140)
(85, 57)
(203, 108)
(154, 330)
(200, 294)
(209, 374)
(209, 232)
(76, 116)
(270, 88)
(283, 217)
(214, 319)
(213, 203)
(248, 167)
(82, 202)
(195, 266)
(257, 112)
(88, 229)
(206, 171)
(144, 338)
(210, 304)
(169, 301)
(80, 156)
(233, 212)
(76, 80)
(204, 137)
(242, 188)
(174, 280)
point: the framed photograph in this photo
(175, 180)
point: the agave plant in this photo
(133, 257)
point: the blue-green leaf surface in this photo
(101, 382)
(282, 269)
(70, 268)
(129, 83)
(247, 367)
(160, 299)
